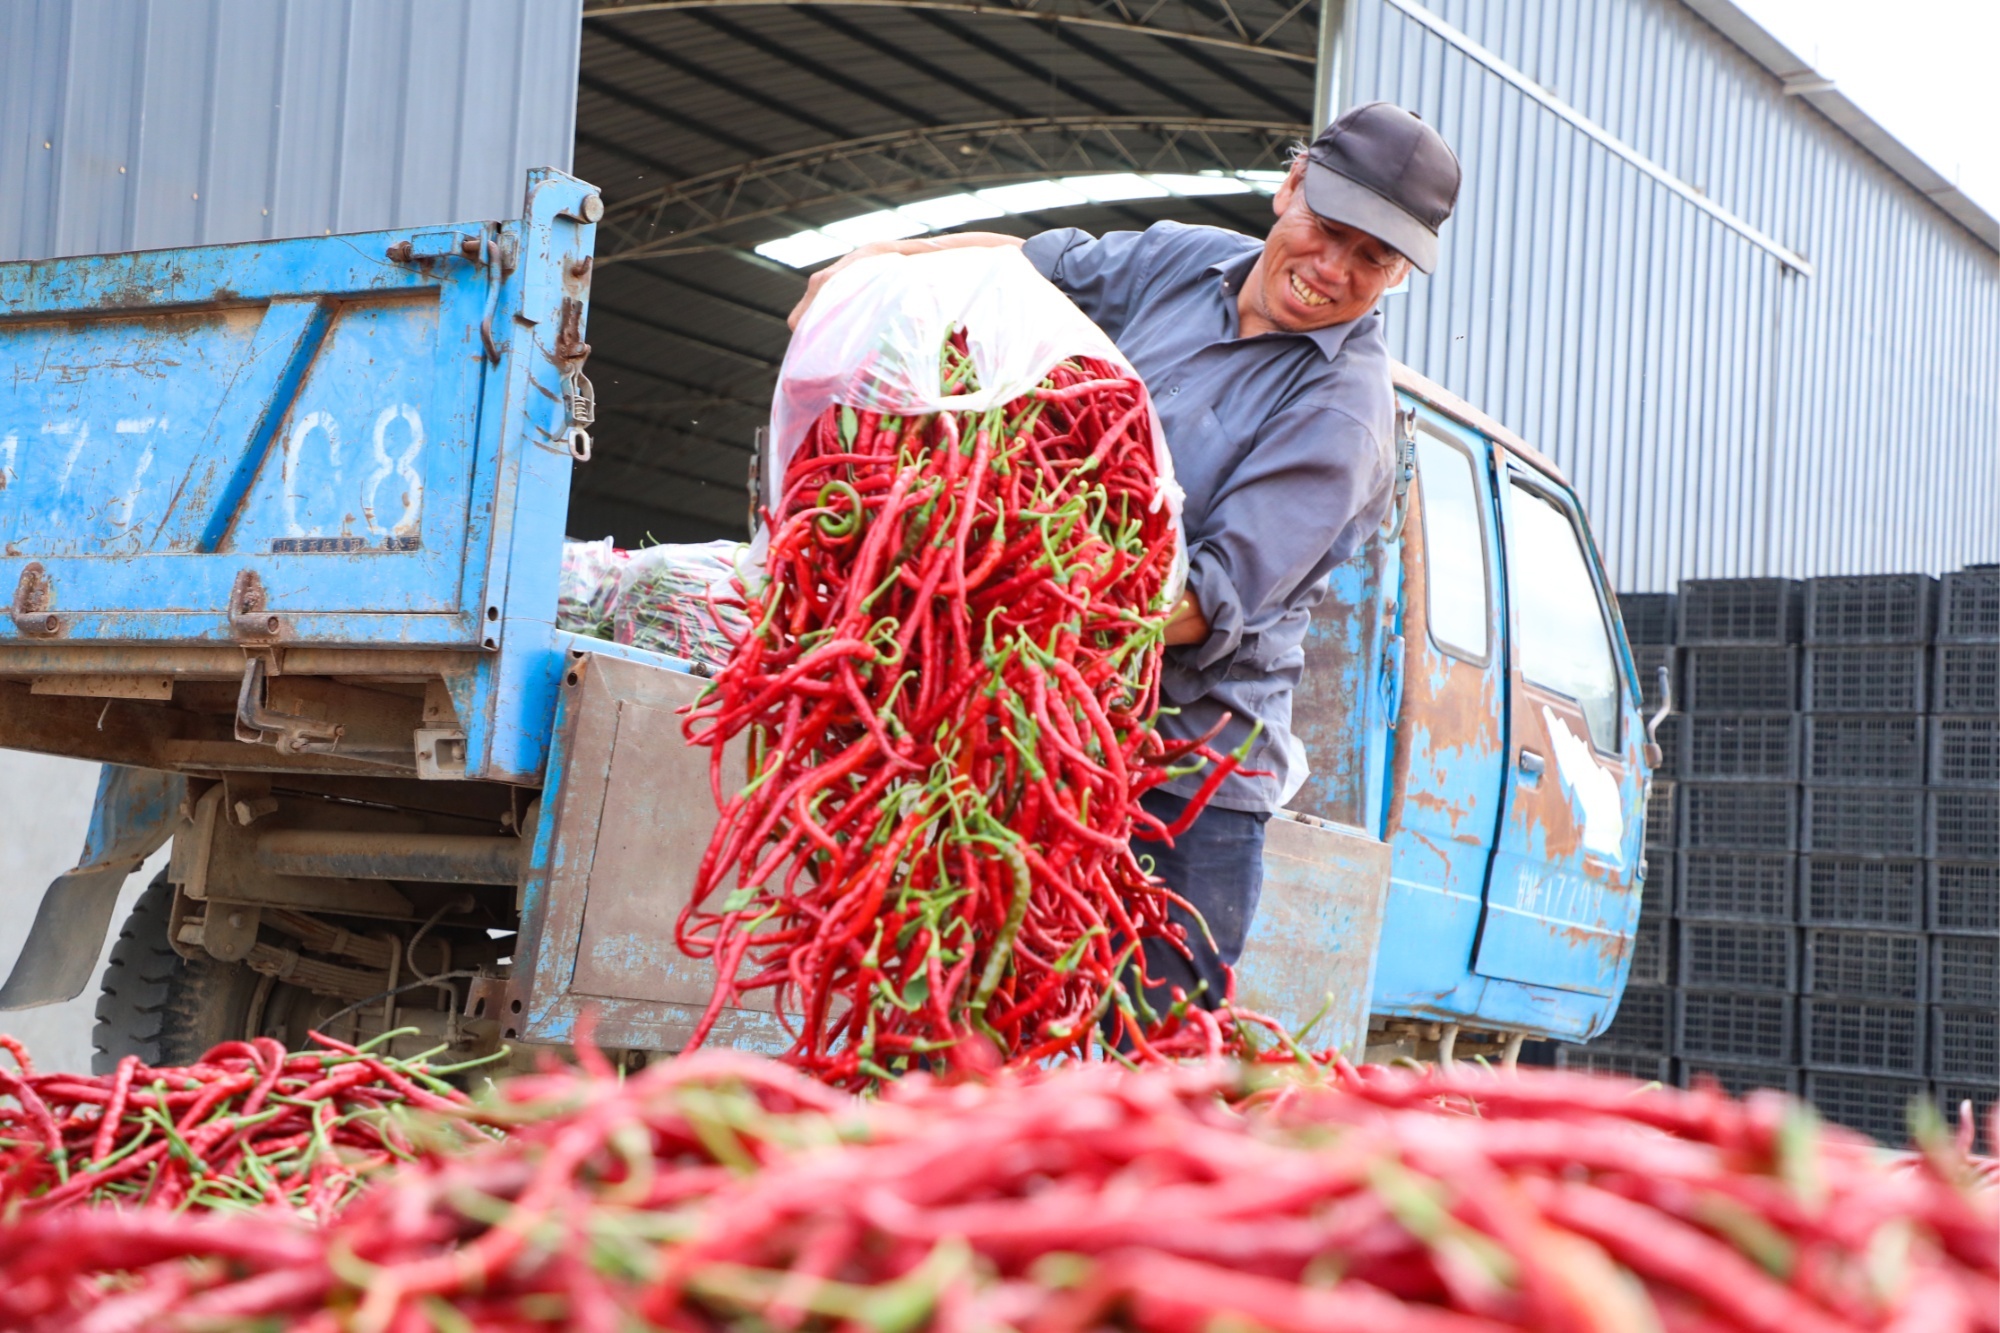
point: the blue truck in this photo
(281, 524)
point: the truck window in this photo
(1564, 645)
(1454, 548)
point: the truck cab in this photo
(281, 524)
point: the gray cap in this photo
(1380, 169)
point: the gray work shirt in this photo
(1284, 445)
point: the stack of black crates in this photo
(1822, 910)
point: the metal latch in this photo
(1406, 470)
(259, 724)
(579, 398)
(249, 615)
(31, 603)
(580, 401)
(427, 246)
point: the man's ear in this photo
(1289, 188)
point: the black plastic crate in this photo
(1648, 616)
(1965, 751)
(1869, 1036)
(1966, 678)
(1865, 680)
(1951, 1099)
(1739, 611)
(1740, 1080)
(1739, 680)
(1738, 955)
(1866, 964)
(1755, 747)
(1733, 1026)
(1965, 969)
(1750, 817)
(1965, 1043)
(1742, 886)
(1647, 659)
(1862, 891)
(1872, 1105)
(1863, 748)
(1965, 825)
(1884, 821)
(1650, 949)
(1870, 608)
(1965, 896)
(1662, 828)
(1656, 891)
(1644, 1021)
(1969, 606)
(1619, 1064)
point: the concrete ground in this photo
(44, 809)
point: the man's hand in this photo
(914, 246)
(1185, 623)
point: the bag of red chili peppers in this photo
(949, 684)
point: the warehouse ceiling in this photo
(714, 127)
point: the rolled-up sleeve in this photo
(1317, 480)
(1102, 274)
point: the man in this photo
(1269, 370)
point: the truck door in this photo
(1449, 752)
(1562, 896)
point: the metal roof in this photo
(713, 126)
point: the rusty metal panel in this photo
(1445, 793)
(1562, 898)
(138, 124)
(658, 815)
(625, 819)
(1312, 949)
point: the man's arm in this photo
(916, 245)
(1185, 623)
(1315, 481)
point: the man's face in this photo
(1315, 273)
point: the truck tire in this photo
(155, 1004)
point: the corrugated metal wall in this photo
(1720, 414)
(136, 124)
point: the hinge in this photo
(32, 595)
(249, 616)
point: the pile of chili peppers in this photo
(949, 692)
(249, 1126)
(720, 1191)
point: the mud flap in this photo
(134, 816)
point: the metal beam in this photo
(1034, 69)
(1168, 22)
(598, 309)
(818, 69)
(899, 53)
(694, 69)
(610, 91)
(1333, 84)
(734, 300)
(1118, 64)
(909, 163)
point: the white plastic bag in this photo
(664, 601)
(588, 587)
(873, 340)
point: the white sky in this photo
(1924, 69)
